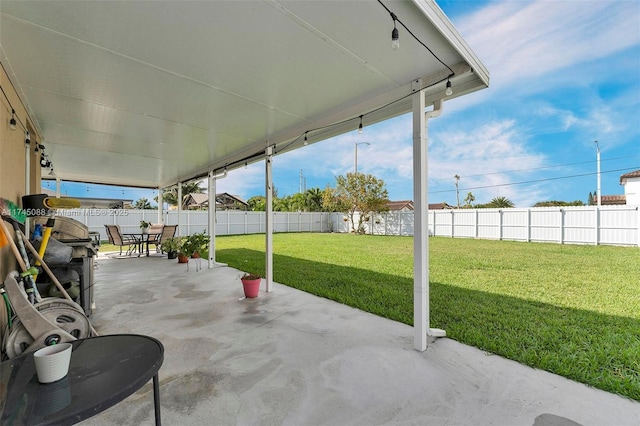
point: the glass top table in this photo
(104, 370)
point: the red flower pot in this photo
(251, 287)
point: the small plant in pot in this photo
(196, 245)
(144, 226)
(251, 284)
(171, 246)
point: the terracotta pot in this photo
(195, 255)
(251, 287)
(182, 258)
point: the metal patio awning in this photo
(148, 93)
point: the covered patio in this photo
(154, 94)
(288, 357)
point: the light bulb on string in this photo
(12, 122)
(395, 37)
(449, 90)
(306, 141)
(360, 126)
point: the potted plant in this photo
(144, 226)
(196, 245)
(251, 284)
(171, 246)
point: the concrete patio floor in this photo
(291, 358)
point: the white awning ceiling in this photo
(148, 93)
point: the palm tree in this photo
(143, 204)
(469, 199)
(171, 196)
(500, 202)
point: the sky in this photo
(563, 75)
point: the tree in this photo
(313, 200)
(257, 203)
(143, 204)
(469, 199)
(500, 202)
(554, 203)
(591, 199)
(356, 192)
(171, 196)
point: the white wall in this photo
(632, 191)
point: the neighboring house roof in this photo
(195, 200)
(635, 174)
(439, 206)
(613, 200)
(224, 201)
(399, 205)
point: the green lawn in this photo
(571, 310)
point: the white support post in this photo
(179, 201)
(421, 223)
(212, 220)
(269, 218)
(420, 240)
(528, 225)
(160, 205)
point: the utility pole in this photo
(599, 190)
(355, 157)
(457, 177)
(303, 184)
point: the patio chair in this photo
(117, 238)
(168, 231)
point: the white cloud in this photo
(487, 159)
(519, 40)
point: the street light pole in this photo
(598, 189)
(355, 157)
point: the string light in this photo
(449, 90)
(27, 137)
(360, 126)
(395, 42)
(12, 122)
(306, 141)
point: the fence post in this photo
(638, 215)
(500, 225)
(452, 228)
(528, 225)
(476, 219)
(597, 230)
(561, 226)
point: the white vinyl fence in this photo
(609, 225)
